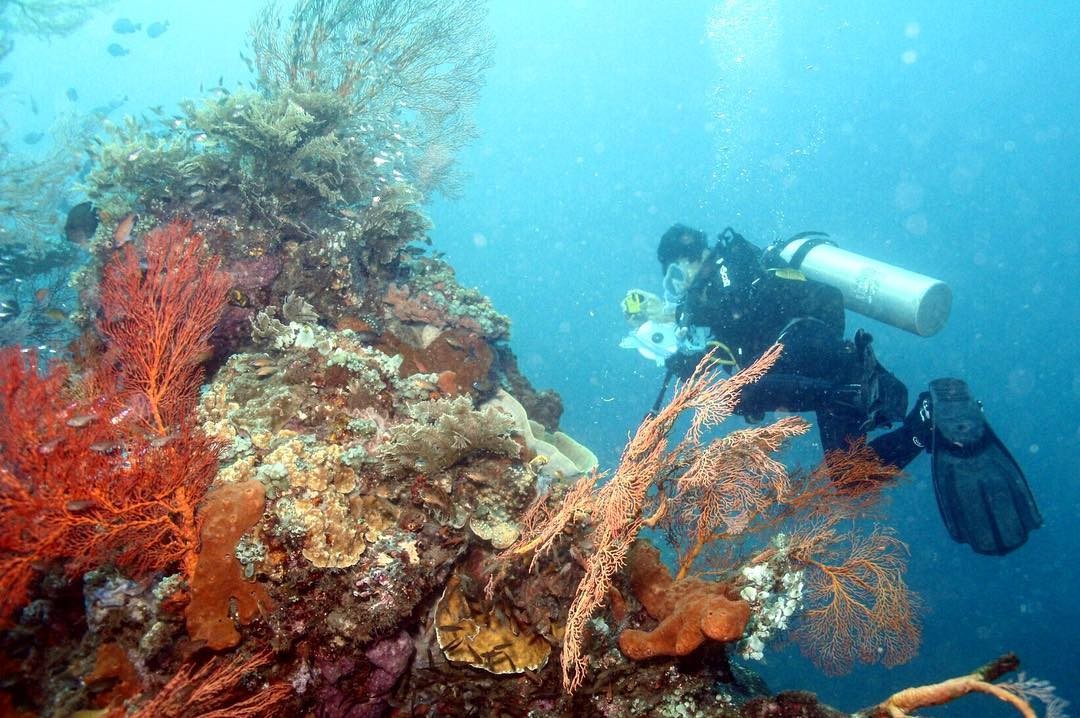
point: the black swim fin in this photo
(981, 491)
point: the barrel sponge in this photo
(578, 460)
(228, 513)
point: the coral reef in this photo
(326, 527)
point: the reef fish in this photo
(123, 26)
(72, 94)
(118, 50)
(122, 234)
(80, 421)
(32, 138)
(157, 29)
(81, 223)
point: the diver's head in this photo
(681, 243)
(681, 253)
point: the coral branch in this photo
(210, 691)
(901, 704)
(858, 603)
(158, 320)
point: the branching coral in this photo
(619, 509)
(216, 689)
(410, 68)
(706, 495)
(858, 606)
(1017, 694)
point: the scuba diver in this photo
(737, 300)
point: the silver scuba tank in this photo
(904, 299)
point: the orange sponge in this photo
(229, 512)
(690, 611)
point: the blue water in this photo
(941, 137)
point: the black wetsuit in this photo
(749, 302)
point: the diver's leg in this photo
(900, 447)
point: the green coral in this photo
(443, 433)
(283, 160)
(412, 69)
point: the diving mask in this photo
(676, 282)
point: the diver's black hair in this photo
(681, 242)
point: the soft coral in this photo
(80, 490)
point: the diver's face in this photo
(678, 277)
(686, 267)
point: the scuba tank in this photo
(904, 299)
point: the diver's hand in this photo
(639, 306)
(682, 364)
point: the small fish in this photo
(122, 233)
(72, 94)
(81, 223)
(162, 441)
(117, 50)
(5, 78)
(123, 26)
(201, 137)
(49, 446)
(57, 315)
(41, 296)
(32, 138)
(261, 361)
(134, 155)
(9, 308)
(157, 29)
(80, 505)
(104, 447)
(265, 371)
(33, 105)
(78, 422)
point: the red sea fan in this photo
(158, 320)
(78, 491)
